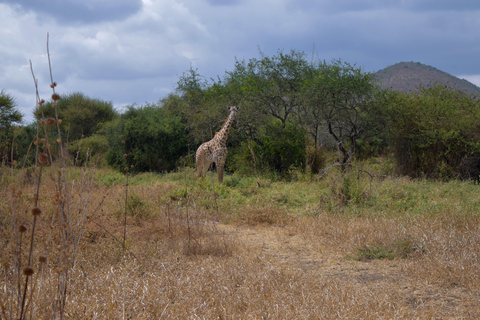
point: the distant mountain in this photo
(408, 76)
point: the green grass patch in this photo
(401, 249)
(353, 194)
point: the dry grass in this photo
(269, 215)
(288, 251)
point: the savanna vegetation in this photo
(342, 201)
(293, 109)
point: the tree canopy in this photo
(287, 90)
(147, 138)
(9, 117)
(81, 116)
(435, 133)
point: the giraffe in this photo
(215, 150)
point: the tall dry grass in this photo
(41, 224)
(181, 264)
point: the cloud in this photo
(83, 11)
(156, 40)
(134, 51)
(441, 5)
(140, 56)
(224, 3)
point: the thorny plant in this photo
(38, 246)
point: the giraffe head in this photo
(233, 110)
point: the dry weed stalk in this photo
(37, 287)
(126, 206)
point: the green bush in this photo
(146, 139)
(95, 146)
(433, 131)
(9, 118)
(283, 148)
(372, 252)
(81, 116)
(278, 151)
(25, 144)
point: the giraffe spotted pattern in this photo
(215, 150)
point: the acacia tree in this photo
(269, 87)
(82, 116)
(342, 99)
(199, 105)
(269, 92)
(280, 80)
(282, 94)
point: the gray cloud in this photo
(134, 51)
(442, 5)
(226, 3)
(80, 11)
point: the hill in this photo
(409, 76)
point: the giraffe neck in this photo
(223, 133)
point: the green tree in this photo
(9, 117)
(434, 131)
(279, 81)
(267, 88)
(191, 86)
(283, 148)
(81, 116)
(269, 92)
(24, 151)
(343, 100)
(147, 138)
(200, 105)
(285, 90)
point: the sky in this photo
(134, 51)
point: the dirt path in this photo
(279, 245)
(293, 251)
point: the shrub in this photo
(278, 151)
(81, 116)
(95, 146)
(146, 139)
(433, 131)
(9, 117)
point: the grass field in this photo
(354, 246)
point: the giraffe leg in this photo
(206, 165)
(220, 156)
(220, 165)
(220, 174)
(199, 163)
